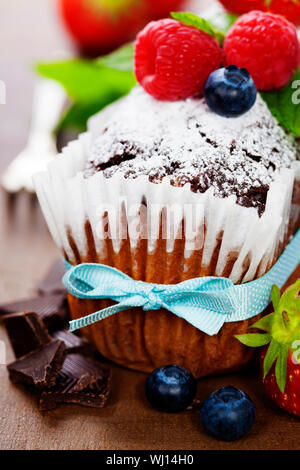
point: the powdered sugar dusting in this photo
(186, 143)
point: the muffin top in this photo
(186, 143)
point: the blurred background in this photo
(32, 31)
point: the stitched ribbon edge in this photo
(242, 301)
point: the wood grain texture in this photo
(26, 252)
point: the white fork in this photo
(49, 98)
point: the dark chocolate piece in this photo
(74, 344)
(52, 309)
(81, 381)
(26, 332)
(52, 283)
(39, 368)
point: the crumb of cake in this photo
(186, 143)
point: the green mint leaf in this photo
(221, 21)
(280, 368)
(90, 85)
(264, 323)
(254, 340)
(270, 357)
(86, 80)
(200, 23)
(77, 115)
(284, 104)
(121, 59)
(275, 294)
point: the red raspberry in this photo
(267, 46)
(173, 61)
(290, 9)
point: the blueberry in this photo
(228, 414)
(230, 91)
(171, 388)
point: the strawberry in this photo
(280, 361)
(162, 8)
(290, 9)
(99, 26)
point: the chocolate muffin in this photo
(169, 191)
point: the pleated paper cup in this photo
(162, 234)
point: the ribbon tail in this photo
(105, 313)
(204, 319)
(207, 311)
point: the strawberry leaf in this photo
(264, 323)
(280, 368)
(290, 300)
(254, 340)
(270, 357)
(275, 294)
(204, 25)
(286, 324)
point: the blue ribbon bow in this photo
(205, 302)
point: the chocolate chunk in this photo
(52, 309)
(26, 332)
(39, 368)
(74, 343)
(80, 381)
(52, 283)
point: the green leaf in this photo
(285, 325)
(275, 294)
(200, 23)
(221, 21)
(290, 300)
(270, 357)
(280, 368)
(284, 104)
(86, 80)
(121, 59)
(77, 114)
(254, 340)
(282, 331)
(90, 85)
(264, 323)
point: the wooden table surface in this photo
(29, 31)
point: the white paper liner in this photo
(68, 201)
